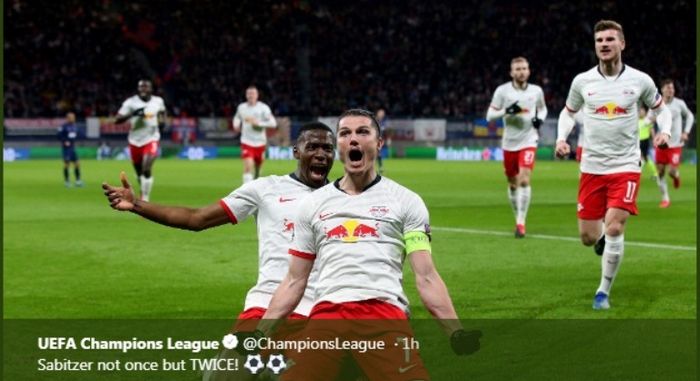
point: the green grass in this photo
(68, 255)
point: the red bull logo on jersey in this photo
(352, 231)
(288, 228)
(610, 110)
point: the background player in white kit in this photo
(146, 113)
(358, 230)
(522, 107)
(273, 201)
(608, 94)
(251, 119)
(669, 158)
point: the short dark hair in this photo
(361, 112)
(314, 126)
(609, 24)
(666, 82)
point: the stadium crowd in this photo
(413, 58)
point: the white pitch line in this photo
(559, 238)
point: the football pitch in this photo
(68, 255)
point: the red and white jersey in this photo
(144, 129)
(273, 200)
(518, 132)
(682, 121)
(254, 136)
(357, 241)
(609, 105)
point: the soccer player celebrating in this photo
(610, 167)
(522, 107)
(146, 113)
(358, 231)
(68, 134)
(251, 119)
(273, 200)
(669, 158)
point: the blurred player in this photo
(104, 151)
(381, 118)
(646, 136)
(273, 200)
(147, 117)
(251, 119)
(522, 107)
(358, 230)
(68, 134)
(608, 94)
(669, 158)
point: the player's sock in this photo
(676, 176)
(76, 172)
(523, 204)
(612, 257)
(65, 175)
(146, 186)
(663, 188)
(247, 177)
(513, 197)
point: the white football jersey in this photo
(254, 136)
(518, 132)
(609, 104)
(143, 129)
(682, 121)
(273, 200)
(357, 241)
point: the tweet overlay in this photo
(349, 349)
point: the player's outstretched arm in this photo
(123, 199)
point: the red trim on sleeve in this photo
(494, 107)
(302, 254)
(570, 109)
(657, 104)
(228, 211)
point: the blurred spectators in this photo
(413, 58)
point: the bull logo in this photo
(351, 231)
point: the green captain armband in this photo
(416, 241)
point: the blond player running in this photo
(522, 107)
(611, 164)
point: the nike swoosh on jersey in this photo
(405, 369)
(282, 199)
